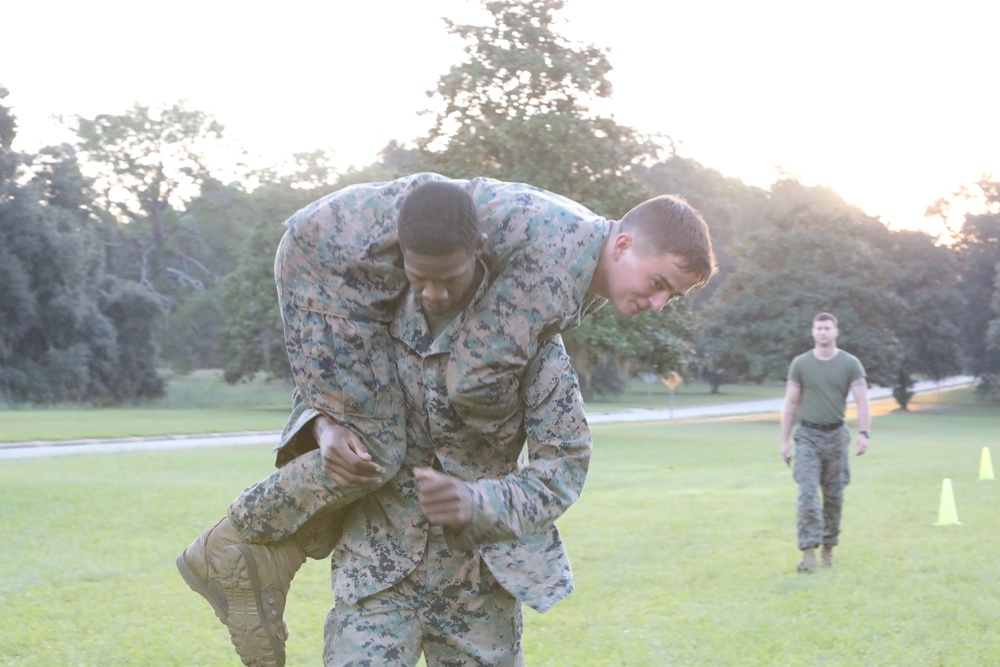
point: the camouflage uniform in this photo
(822, 455)
(403, 586)
(339, 276)
(397, 625)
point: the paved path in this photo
(39, 449)
(750, 407)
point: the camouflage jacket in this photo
(517, 497)
(340, 259)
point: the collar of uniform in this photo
(410, 326)
(583, 264)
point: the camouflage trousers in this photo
(450, 608)
(821, 466)
(296, 500)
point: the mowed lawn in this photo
(683, 548)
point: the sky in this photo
(892, 104)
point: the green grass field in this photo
(683, 550)
(196, 403)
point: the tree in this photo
(65, 335)
(148, 164)
(223, 217)
(978, 246)
(602, 349)
(926, 283)
(732, 209)
(993, 334)
(133, 312)
(816, 256)
(311, 170)
(517, 109)
(252, 338)
(146, 161)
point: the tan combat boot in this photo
(808, 562)
(255, 579)
(826, 556)
(198, 564)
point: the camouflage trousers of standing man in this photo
(821, 466)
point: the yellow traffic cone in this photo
(985, 465)
(947, 515)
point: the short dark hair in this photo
(826, 317)
(438, 218)
(667, 224)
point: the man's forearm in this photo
(531, 499)
(864, 415)
(789, 417)
(519, 505)
(559, 440)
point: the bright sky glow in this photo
(892, 104)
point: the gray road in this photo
(41, 449)
(749, 407)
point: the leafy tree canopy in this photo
(812, 259)
(66, 332)
(978, 246)
(516, 109)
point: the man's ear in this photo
(480, 246)
(623, 241)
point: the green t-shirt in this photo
(825, 384)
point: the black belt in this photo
(822, 427)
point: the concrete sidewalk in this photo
(38, 449)
(751, 407)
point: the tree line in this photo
(127, 251)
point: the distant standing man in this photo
(816, 398)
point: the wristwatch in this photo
(867, 434)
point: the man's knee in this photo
(278, 506)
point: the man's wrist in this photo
(865, 432)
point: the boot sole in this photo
(195, 583)
(256, 645)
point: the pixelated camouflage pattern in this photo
(822, 465)
(339, 274)
(515, 505)
(335, 305)
(542, 251)
(341, 361)
(450, 608)
(296, 499)
(339, 278)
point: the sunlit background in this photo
(891, 104)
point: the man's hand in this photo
(786, 452)
(345, 460)
(862, 444)
(445, 500)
